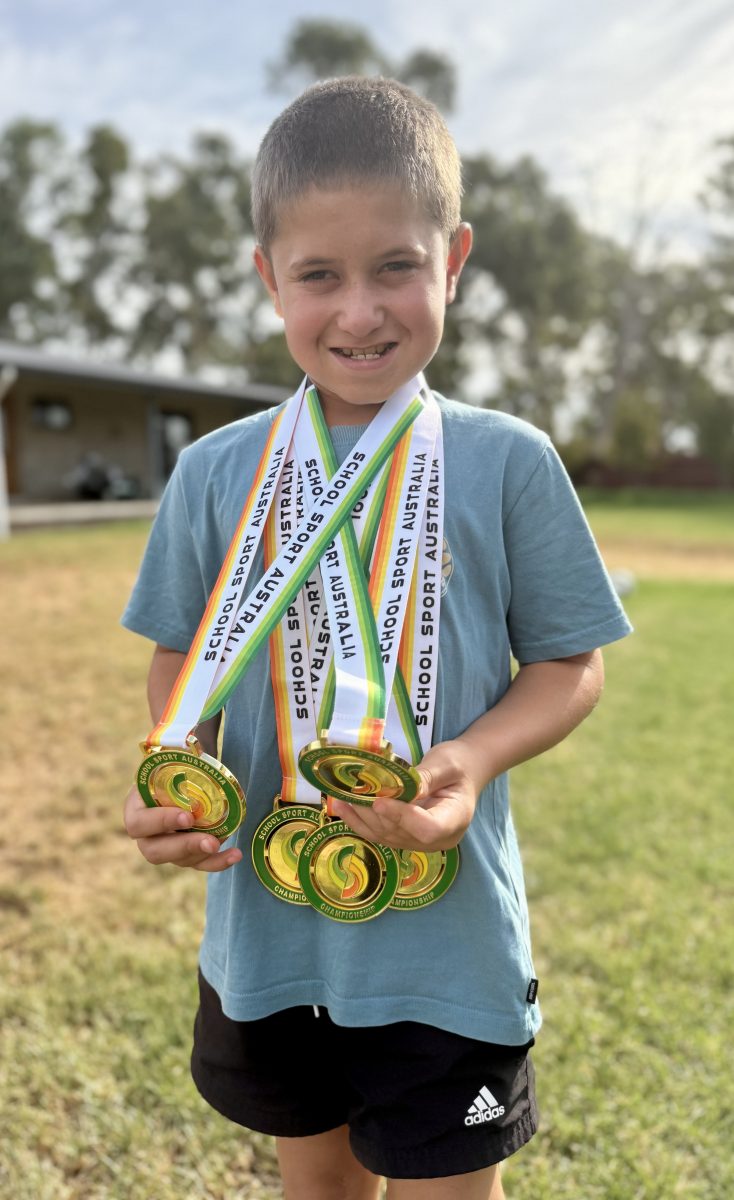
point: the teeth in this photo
(365, 355)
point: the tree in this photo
(532, 255)
(102, 235)
(718, 199)
(192, 262)
(28, 259)
(716, 425)
(321, 49)
(431, 74)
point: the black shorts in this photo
(420, 1103)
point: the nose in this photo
(361, 311)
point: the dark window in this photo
(55, 415)
(177, 432)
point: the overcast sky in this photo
(618, 99)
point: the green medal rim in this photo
(293, 812)
(311, 757)
(233, 793)
(348, 916)
(452, 861)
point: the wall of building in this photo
(120, 426)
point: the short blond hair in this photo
(351, 129)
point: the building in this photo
(76, 430)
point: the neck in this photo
(340, 412)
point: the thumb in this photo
(426, 787)
(437, 770)
(433, 774)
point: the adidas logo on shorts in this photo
(485, 1108)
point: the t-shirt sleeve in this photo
(169, 596)
(562, 600)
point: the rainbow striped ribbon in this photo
(412, 706)
(353, 634)
(366, 526)
(366, 621)
(290, 668)
(267, 603)
(188, 695)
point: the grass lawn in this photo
(626, 831)
(660, 534)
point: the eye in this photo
(314, 276)
(399, 265)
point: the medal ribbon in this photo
(191, 689)
(290, 670)
(413, 701)
(366, 524)
(268, 601)
(297, 697)
(365, 652)
(360, 680)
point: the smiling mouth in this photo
(364, 353)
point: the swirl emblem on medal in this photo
(346, 877)
(356, 775)
(276, 848)
(425, 876)
(169, 777)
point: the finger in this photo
(141, 821)
(221, 861)
(426, 787)
(360, 818)
(180, 849)
(435, 776)
(400, 826)
(201, 852)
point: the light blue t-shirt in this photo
(521, 576)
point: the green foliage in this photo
(529, 243)
(100, 233)
(192, 268)
(432, 74)
(323, 49)
(529, 240)
(718, 198)
(268, 359)
(28, 260)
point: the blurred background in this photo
(598, 148)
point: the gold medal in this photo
(170, 777)
(425, 876)
(357, 775)
(276, 847)
(346, 877)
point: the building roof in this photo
(38, 364)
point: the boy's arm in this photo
(544, 703)
(161, 832)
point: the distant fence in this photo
(675, 471)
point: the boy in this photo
(397, 1047)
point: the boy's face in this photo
(361, 277)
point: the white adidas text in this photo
(485, 1108)
(488, 1115)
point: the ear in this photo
(264, 268)
(459, 248)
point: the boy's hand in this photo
(157, 832)
(436, 819)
